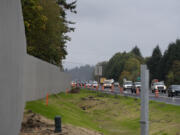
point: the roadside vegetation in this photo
(108, 114)
(46, 27)
(164, 67)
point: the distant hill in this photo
(82, 73)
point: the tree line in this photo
(46, 28)
(164, 67)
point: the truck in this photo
(127, 85)
(102, 79)
(156, 85)
(108, 83)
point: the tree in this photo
(171, 54)
(116, 65)
(136, 51)
(170, 78)
(176, 70)
(46, 27)
(173, 76)
(153, 63)
(133, 67)
(123, 62)
(125, 75)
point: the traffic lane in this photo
(162, 97)
(167, 100)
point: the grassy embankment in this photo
(108, 114)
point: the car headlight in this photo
(165, 87)
(156, 87)
(173, 90)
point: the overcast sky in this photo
(105, 27)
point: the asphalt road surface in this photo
(162, 97)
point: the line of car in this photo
(172, 90)
(89, 83)
(129, 85)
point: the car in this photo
(116, 84)
(107, 84)
(160, 86)
(173, 90)
(135, 86)
(95, 84)
(89, 84)
(73, 83)
(82, 83)
(127, 85)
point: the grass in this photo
(108, 114)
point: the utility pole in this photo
(144, 100)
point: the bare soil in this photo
(35, 124)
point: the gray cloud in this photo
(106, 27)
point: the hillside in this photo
(108, 114)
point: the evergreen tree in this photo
(154, 62)
(171, 54)
(136, 51)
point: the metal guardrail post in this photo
(144, 100)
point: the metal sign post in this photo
(144, 100)
(98, 72)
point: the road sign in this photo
(138, 78)
(98, 71)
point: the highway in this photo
(162, 97)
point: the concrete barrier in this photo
(12, 52)
(41, 78)
(22, 77)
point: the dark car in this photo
(173, 90)
(135, 86)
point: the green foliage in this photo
(170, 78)
(108, 114)
(123, 65)
(170, 56)
(133, 67)
(174, 74)
(125, 74)
(136, 51)
(46, 27)
(162, 67)
(166, 67)
(116, 65)
(154, 62)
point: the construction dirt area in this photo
(35, 124)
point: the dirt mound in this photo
(35, 124)
(74, 90)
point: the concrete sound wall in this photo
(12, 52)
(22, 77)
(41, 78)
